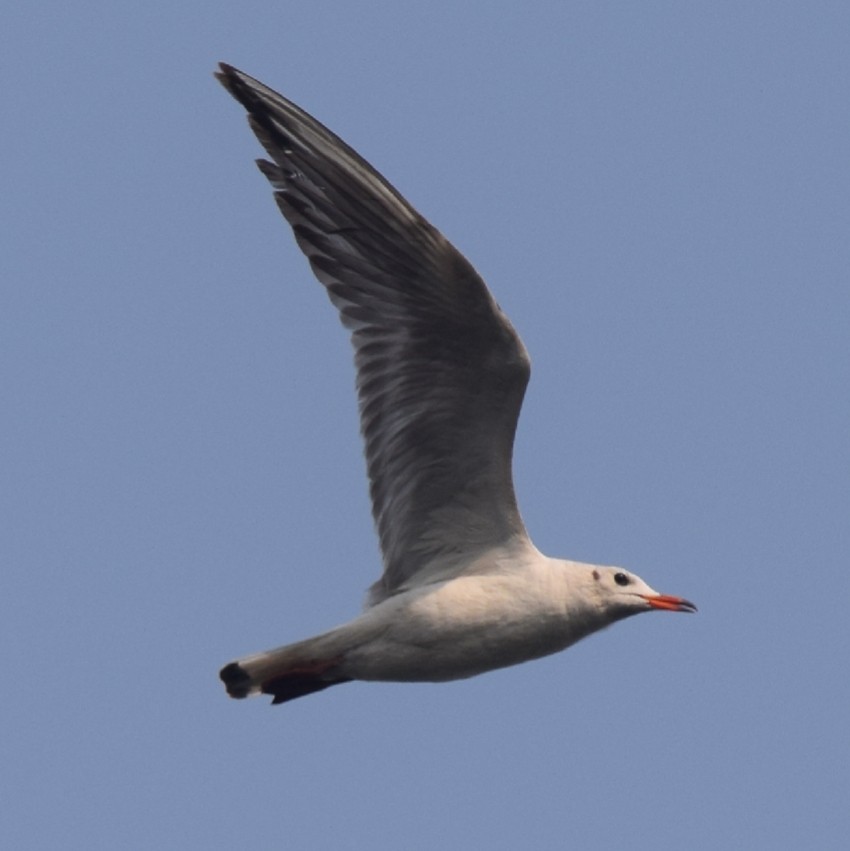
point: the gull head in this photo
(622, 594)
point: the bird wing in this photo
(441, 373)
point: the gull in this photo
(441, 375)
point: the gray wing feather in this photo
(441, 373)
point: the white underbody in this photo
(507, 607)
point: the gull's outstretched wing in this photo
(440, 371)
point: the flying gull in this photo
(441, 375)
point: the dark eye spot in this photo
(596, 575)
(621, 579)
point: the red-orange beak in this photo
(669, 603)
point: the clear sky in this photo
(657, 193)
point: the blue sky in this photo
(658, 194)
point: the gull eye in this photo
(621, 578)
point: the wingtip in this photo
(224, 75)
(225, 70)
(230, 77)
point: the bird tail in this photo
(288, 672)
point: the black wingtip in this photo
(232, 79)
(226, 76)
(236, 681)
(224, 71)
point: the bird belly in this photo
(463, 627)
